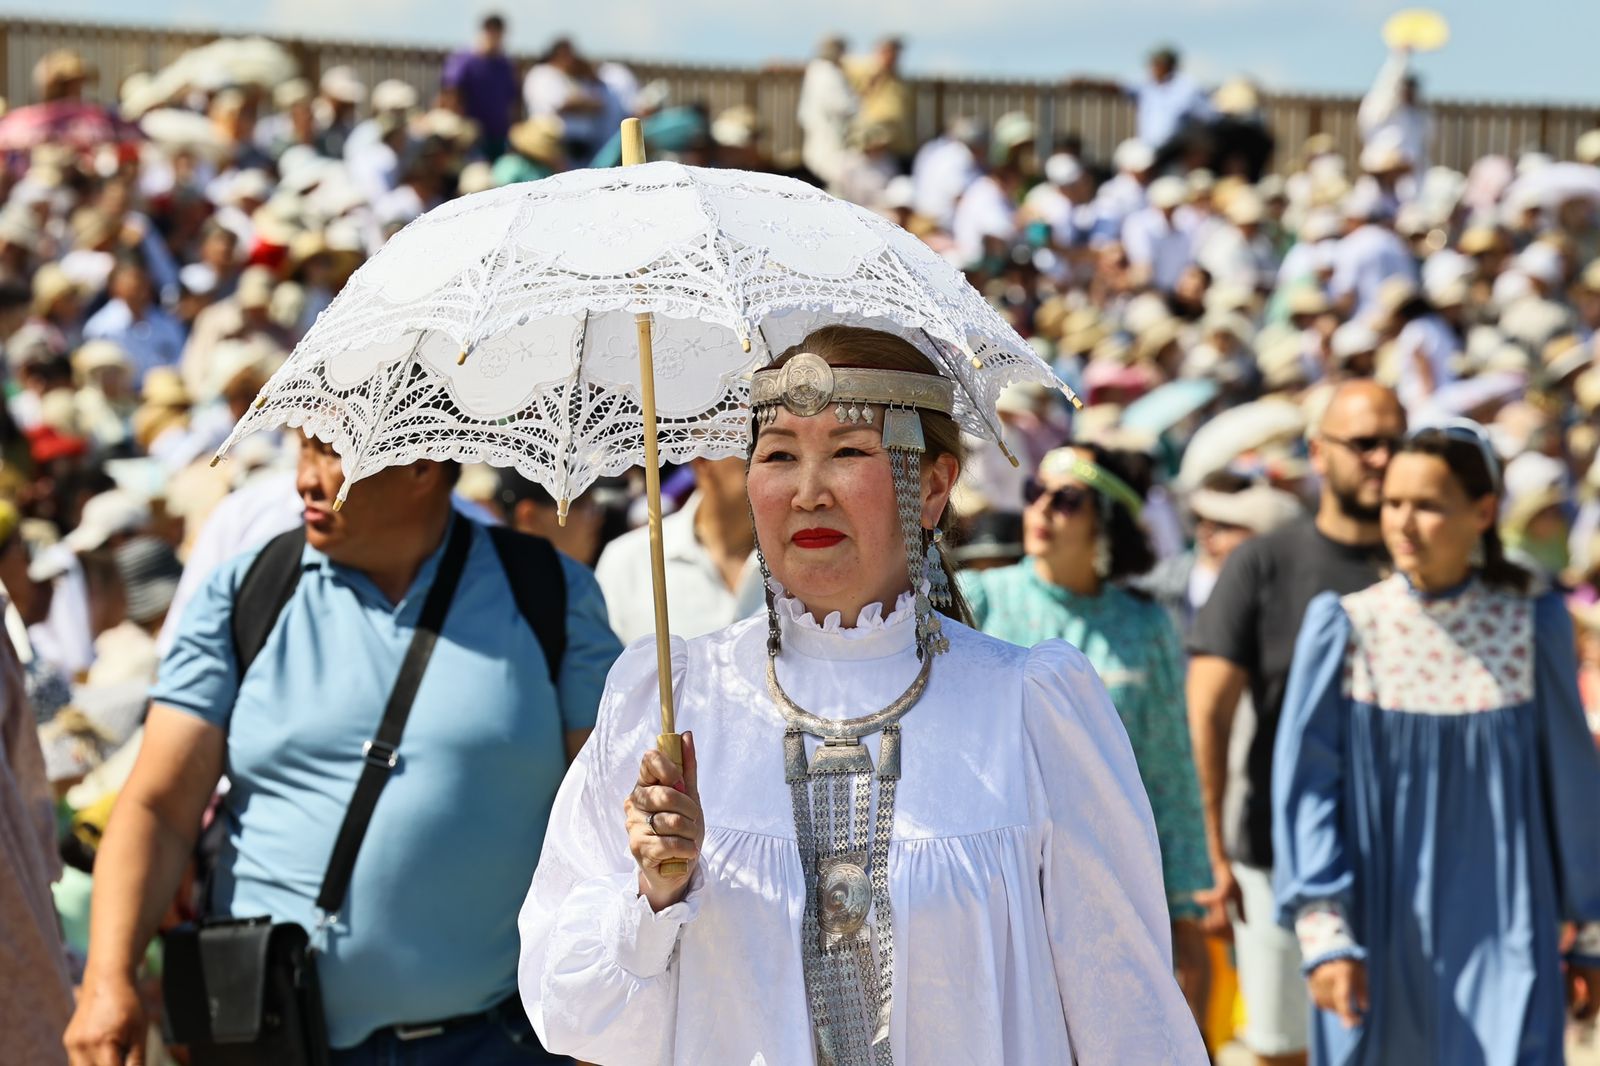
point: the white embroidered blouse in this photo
(1029, 918)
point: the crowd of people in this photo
(1339, 416)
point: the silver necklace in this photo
(846, 868)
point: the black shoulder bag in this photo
(244, 992)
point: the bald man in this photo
(1245, 636)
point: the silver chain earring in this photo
(938, 577)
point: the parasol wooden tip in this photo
(338, 505)
(462, 358)
(261, 401)
(561, 512)
(632, 142)
(1077, 404)
(977, 364)
(744, 342)
(1007, 452)
(215, 459)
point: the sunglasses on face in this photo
(1365, 446)
(1067, 500)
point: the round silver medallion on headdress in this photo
(844, 897)
(807, 384)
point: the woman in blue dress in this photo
(1083, 539)
(1434, 788)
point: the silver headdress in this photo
(847, 934)
(807, 385)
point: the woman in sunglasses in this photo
(1083, 539)
(1433, 790)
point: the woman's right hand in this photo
(109, 1027)
(665, 822)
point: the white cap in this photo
(1245, 208)
(1587, 148)
(340, 83)
(1062, 169)
(1168, 192)
(1352, 339)
(1321, 224)
(391, 94)
(106, 515)
(1541, 262)
(901, 192)
(1134, 156)
(1364, 203)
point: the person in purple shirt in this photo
(481, 83)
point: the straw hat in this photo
(1563, 356)
(61, 67)
(738, 127)
(50, 283)
(1307, 300)
(163, 387)
(1259, 508)
(391, 94)
(255, 288)
(1587, 149)
(1155, 339)
(292, 92)
(1237, 97)
(1167, 192)
(1133, 156)
(539, 138)
(340, 83)
(99, 355)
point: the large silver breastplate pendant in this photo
(847, 933)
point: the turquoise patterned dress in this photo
(1133, 647)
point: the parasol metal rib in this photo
(669, 743)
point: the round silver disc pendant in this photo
(845, 896)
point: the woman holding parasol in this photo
(905, 841)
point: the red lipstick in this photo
(816, 538)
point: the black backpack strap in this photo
(533, 569)
(381, 753)
(263, 593)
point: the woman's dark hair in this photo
(1131, 554)
(1470, 465)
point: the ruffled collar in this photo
(872, 637)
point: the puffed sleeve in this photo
(1105, 910)
(1570, 769)
(597, 970)
(1312, 874)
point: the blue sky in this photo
(1529, 50)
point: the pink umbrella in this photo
(67, 122)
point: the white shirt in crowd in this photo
(1118, 198)
(827, 106)
(1431, 340)
(1365, 259)
(1158, 244)
(984, 211)
(1235, 260)
(548, 90)
(1384, 113)
(941, 171)
(699, 600)
(1163, 105)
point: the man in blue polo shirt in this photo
(427, 932)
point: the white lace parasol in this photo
(499, 328)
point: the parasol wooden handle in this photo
(670, 742)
